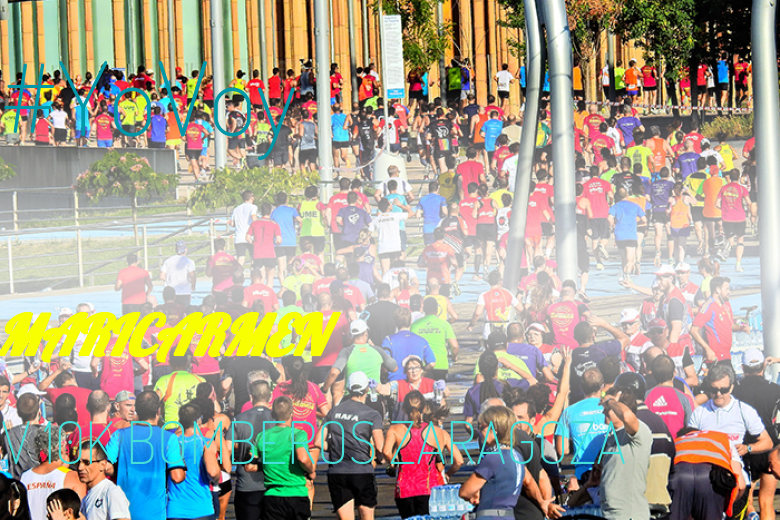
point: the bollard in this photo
(15, 201)
(76, 207)
(80, 255)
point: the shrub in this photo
(734, 127)
(120, 174)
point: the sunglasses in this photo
(87, 462)
(720, 391)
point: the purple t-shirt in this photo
(158, 124)
(687, 163)
(532, 356)
(472, 402)
(354, 219)
(504, 474)
(660, 191)
(626, 125)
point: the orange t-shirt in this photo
(710, 189)
(173, 128)
(656, 145)
(632, 79)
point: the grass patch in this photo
(733, 127)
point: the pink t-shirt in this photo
(117, 374)
(730, 198)
(304, 411)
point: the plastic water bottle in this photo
(434, 502)
(394, 391)
(438, 390)
(452, 497)
(372, 389)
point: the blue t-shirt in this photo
(425, 84)
(492, 128)
(546, 87)
(626, 213)
(583, 423)
(285, 217)
(208, 128)
(626, 125)
(340, 135)
(192, 497)
(403, 344)
(354, 220)
(660, 191)
(158, 126)
(145, 454)
(395, 209)
(163, 107)
(531, 355)
(46, 109)
(431, 206)
(504, 473)
(687, 163)
(465, 84)
(522, 76)
(723, 71)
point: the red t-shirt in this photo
(254, 86)
(500, 155)
(103, 127)
(337, 341)
(353, 295)
(263, 293)
(749, 145)
(274, 87)
(337, 201)
(466, 209)
(469, 172)
(599, 142)
(79, 394)
(716, 321)
(537, 204)
(194, 136)
(697, 138)
(437, 258)
(42, 130)
(222, 266)
(322, 285)
(563, 317)
(133, 284)
(264, 230)
(596, 190)
(486, 214)
(592, 123)
(117, 374)
(335, 79)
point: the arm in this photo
(469, 490)
(764, 443)
(622, 412)
(616, 333)
(43, 385)
(453, 342)
(561, 398)
(302, 457)
(699, 337)
(517, 370)
(211, 462)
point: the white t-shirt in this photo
(242, 219)
(510, 167)
(403, 186)
(59, 119)
(614, 133)
(106, 501)
(504, 78)
(177, 269)
(9, 415)
(605, 76)
(388, 226)
(391, 276)
(502, 221)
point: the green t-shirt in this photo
(436, 332)
(366, 359)
(130, 109)
(506, 373)
(281, 475)
(619, 83)
(640, 155)
(607, 175)
(8, 121)
(294, 283)
(182, 391)
(281, 313)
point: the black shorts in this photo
(305, 156)
(503, 94)
(41, 143)
(711, 219)
(734, 229)
(280, 158)
(413, 506)
(289, 508)
(415, 94)
(649, 89)
(438, 154)
(461, 261)
(60, 135)
(268, 263)
(359, 487)
(390, 256)
(478, 146)
(626, 243)
(740, 87)
(152, 144)
(129, 129)
(235, 143)
(757, 464)
(579, 93)
(697, 212)
(547, 229)
(620, 92)
(471, 241)
(338, 145)
(244, 249)
(600, 228)
(660, 217)
(318, 243)
(193, 154)
(486, 232)
(127, 308)
(723, 86)
(285, 251)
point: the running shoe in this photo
(603, 251)
(739, 268)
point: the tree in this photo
(6, 170)
(425, 40)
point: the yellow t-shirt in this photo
(131, 110)
(506, 373)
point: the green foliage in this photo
(227, 186)
(121, 174)
(6, 170)
(425, 40)
(732, 127)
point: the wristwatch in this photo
(750, 448)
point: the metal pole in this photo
(80, 254)
(443, 81)
(273, 32)
(172, 42)
(559, 51)
(767, 131)
(211, 236)
(131, 33)
(384, 75)
(146, 247)
(490, 77)
(263, 42)
(218, 69)
(352, 51)
(10, 266)
(332, 32)
(325, 141)
(15, 203)
(364, 7)
(611, 69)
(76, 208)
(534, 70)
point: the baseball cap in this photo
(123, 396)
(629, 315)
(656, 323)
(497, 338)
(752, 358)
(569, 283)
(149, 71)
(29, 388)
(411, 357)
(357, 382)
(551, 264)
(358, 327)
(535, 326)
(682, 268)
(633, 381)
(65, 311)
(178, 69)
(665, 270)
(181, 246)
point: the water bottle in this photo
(372, 389)
(4, 466)
(394, 391)
(438, 390)
(452, 498)
(434, 503)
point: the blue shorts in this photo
(632, 92)
(105, 143)
(85, 135)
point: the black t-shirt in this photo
(366, 133)
(283, 141)
(441, 130)
(381, 322)
(583, 358)
(471, 110)
(531, 451)
(626, 180)
(238, 368)
(246, 426)
(352, 440)
(663, 442)
(764, 397)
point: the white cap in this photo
(29, 388)
(357, 382)
(358, 327)
(682, 268)
(65, 311)
(538, 327)
(629, 315)
(753, 358)
(665, 270)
